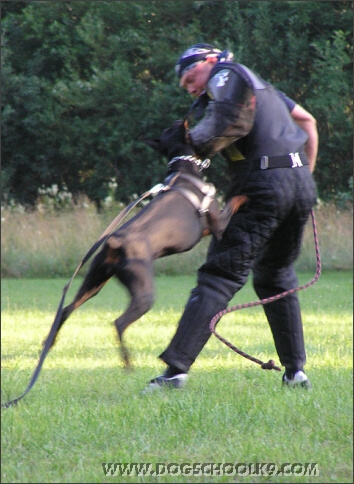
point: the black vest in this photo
(274, 131)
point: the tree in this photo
(83, 83)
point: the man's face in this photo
(195, 80)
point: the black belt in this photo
(292, 160)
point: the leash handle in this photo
(270, 365)
(45, 350)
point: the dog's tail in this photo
(113, 253)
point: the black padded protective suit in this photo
(264, 236)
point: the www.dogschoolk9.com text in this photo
(212, 469)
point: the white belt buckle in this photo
(295, 158)
(264, 162)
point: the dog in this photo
(173, 222)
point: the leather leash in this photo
(50, 338)
(112, 226)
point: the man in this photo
(270, 143)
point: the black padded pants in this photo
(263, 237)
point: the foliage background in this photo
(83, 83)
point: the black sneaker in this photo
(299, 380)
(176, 381)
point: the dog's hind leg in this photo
(101, 270)
(138, 279)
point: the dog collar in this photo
(203, 164)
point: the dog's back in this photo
(169, 224)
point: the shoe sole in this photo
(176, 382)
(304, 384)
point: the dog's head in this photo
(172, 141)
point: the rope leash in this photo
(50, 338)
(270, 365)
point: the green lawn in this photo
(86, 410)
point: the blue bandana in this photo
(193, 56)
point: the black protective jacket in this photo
(245, 118)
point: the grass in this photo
(85, 410)
(52, 245)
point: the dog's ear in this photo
(153, 143)
(169, 138)
(173, 135)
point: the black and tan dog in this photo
(171, 223)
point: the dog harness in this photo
(207, 189)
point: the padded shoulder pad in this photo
(227, 86)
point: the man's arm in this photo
(229, 114)
(308, 123)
